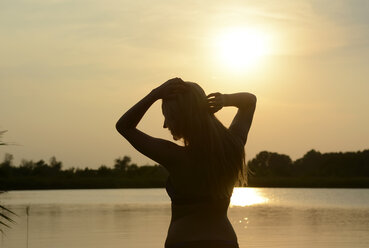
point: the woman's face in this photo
(175, 134)
(171, 120)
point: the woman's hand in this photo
(170, 88)
(216, 101)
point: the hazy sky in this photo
(69, 69)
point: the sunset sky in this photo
(70, 68)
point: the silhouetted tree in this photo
(55, 165)
(270, 164)
(132, 169)
(348, 164)
(26, 167)
(69, 172)
(309, 164)
(103, 170)
(121, 164)
(6, 165)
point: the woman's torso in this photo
(195, 214)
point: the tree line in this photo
(42, 175)
(313, 163)
(267, 169)
(314, 169)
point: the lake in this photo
(138, 218)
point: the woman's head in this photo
(218, 153)
(185, 112)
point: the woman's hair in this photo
(217, 153)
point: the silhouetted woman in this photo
(203, 172)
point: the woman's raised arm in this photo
(159, 150)
(133, 116)
(245, 102)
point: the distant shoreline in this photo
(267, 169)
(50, 183)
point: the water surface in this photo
(137, 218)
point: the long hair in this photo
(217, 154)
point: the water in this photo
(137, 218)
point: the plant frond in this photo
(8, 210)
(4, 224)
(6, 217)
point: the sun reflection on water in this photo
(246, 197)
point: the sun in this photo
(241, 48)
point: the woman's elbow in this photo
(253, 99)
(120, 127)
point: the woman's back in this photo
(188, 182)
(196, 213)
